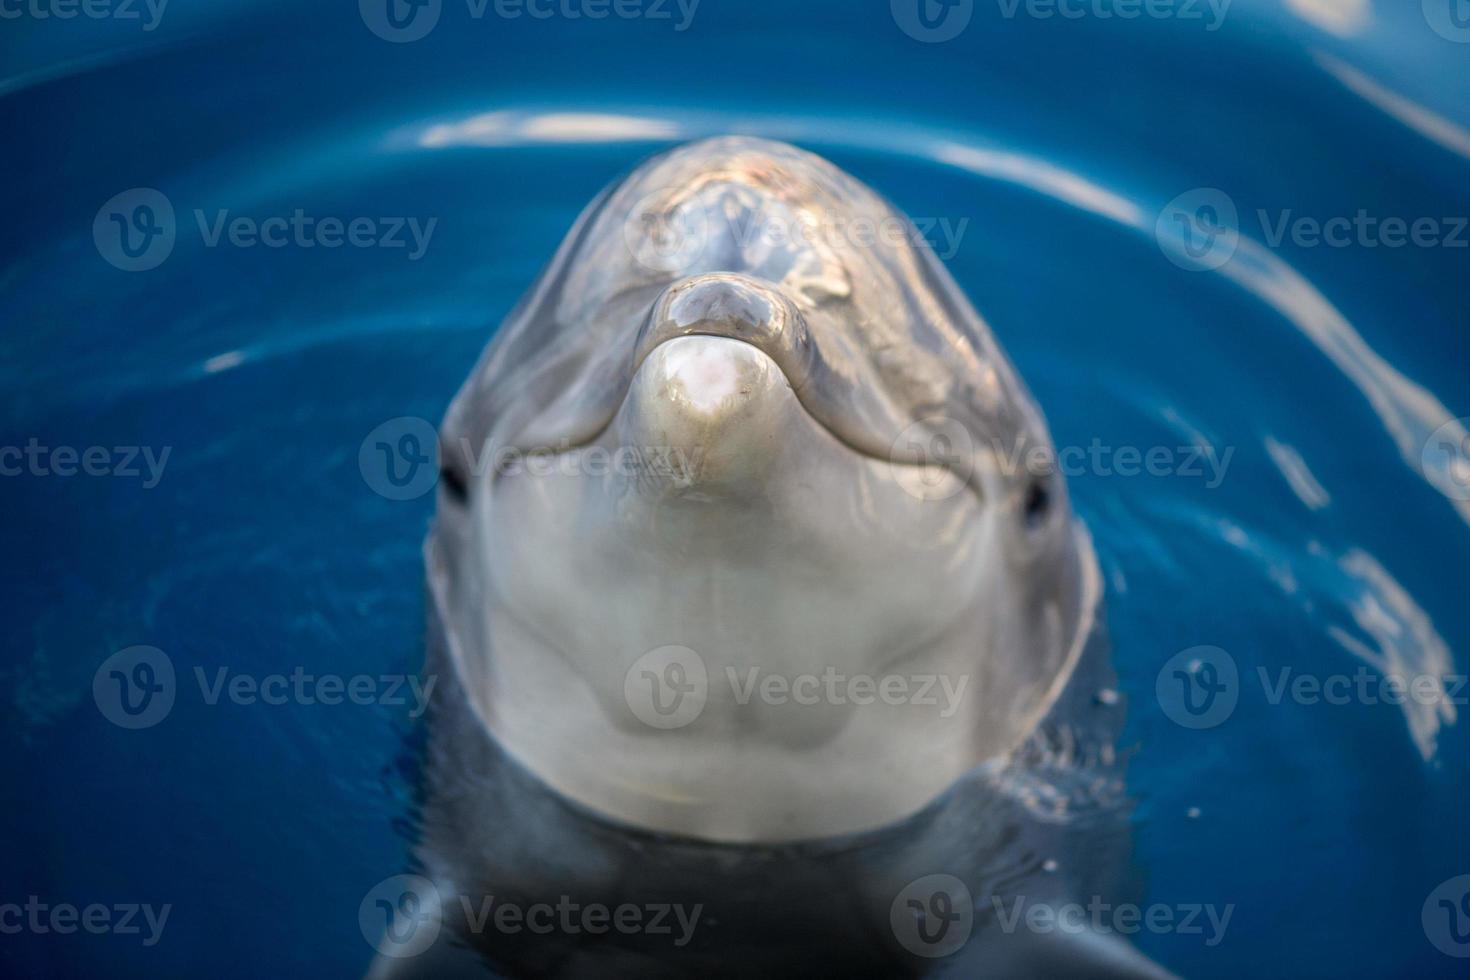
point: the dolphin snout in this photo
(720, 405)
(734, 307)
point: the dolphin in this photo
(744, 609)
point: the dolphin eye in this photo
(1038, 503)
(453, 482)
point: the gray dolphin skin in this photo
(742, 608)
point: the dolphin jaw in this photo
(720, 406)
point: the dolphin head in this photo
(736, 534)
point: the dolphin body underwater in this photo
(610, 782)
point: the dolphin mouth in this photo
(831, 387)
(734, 307)
(867, 407)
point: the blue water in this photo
(1331, 543)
